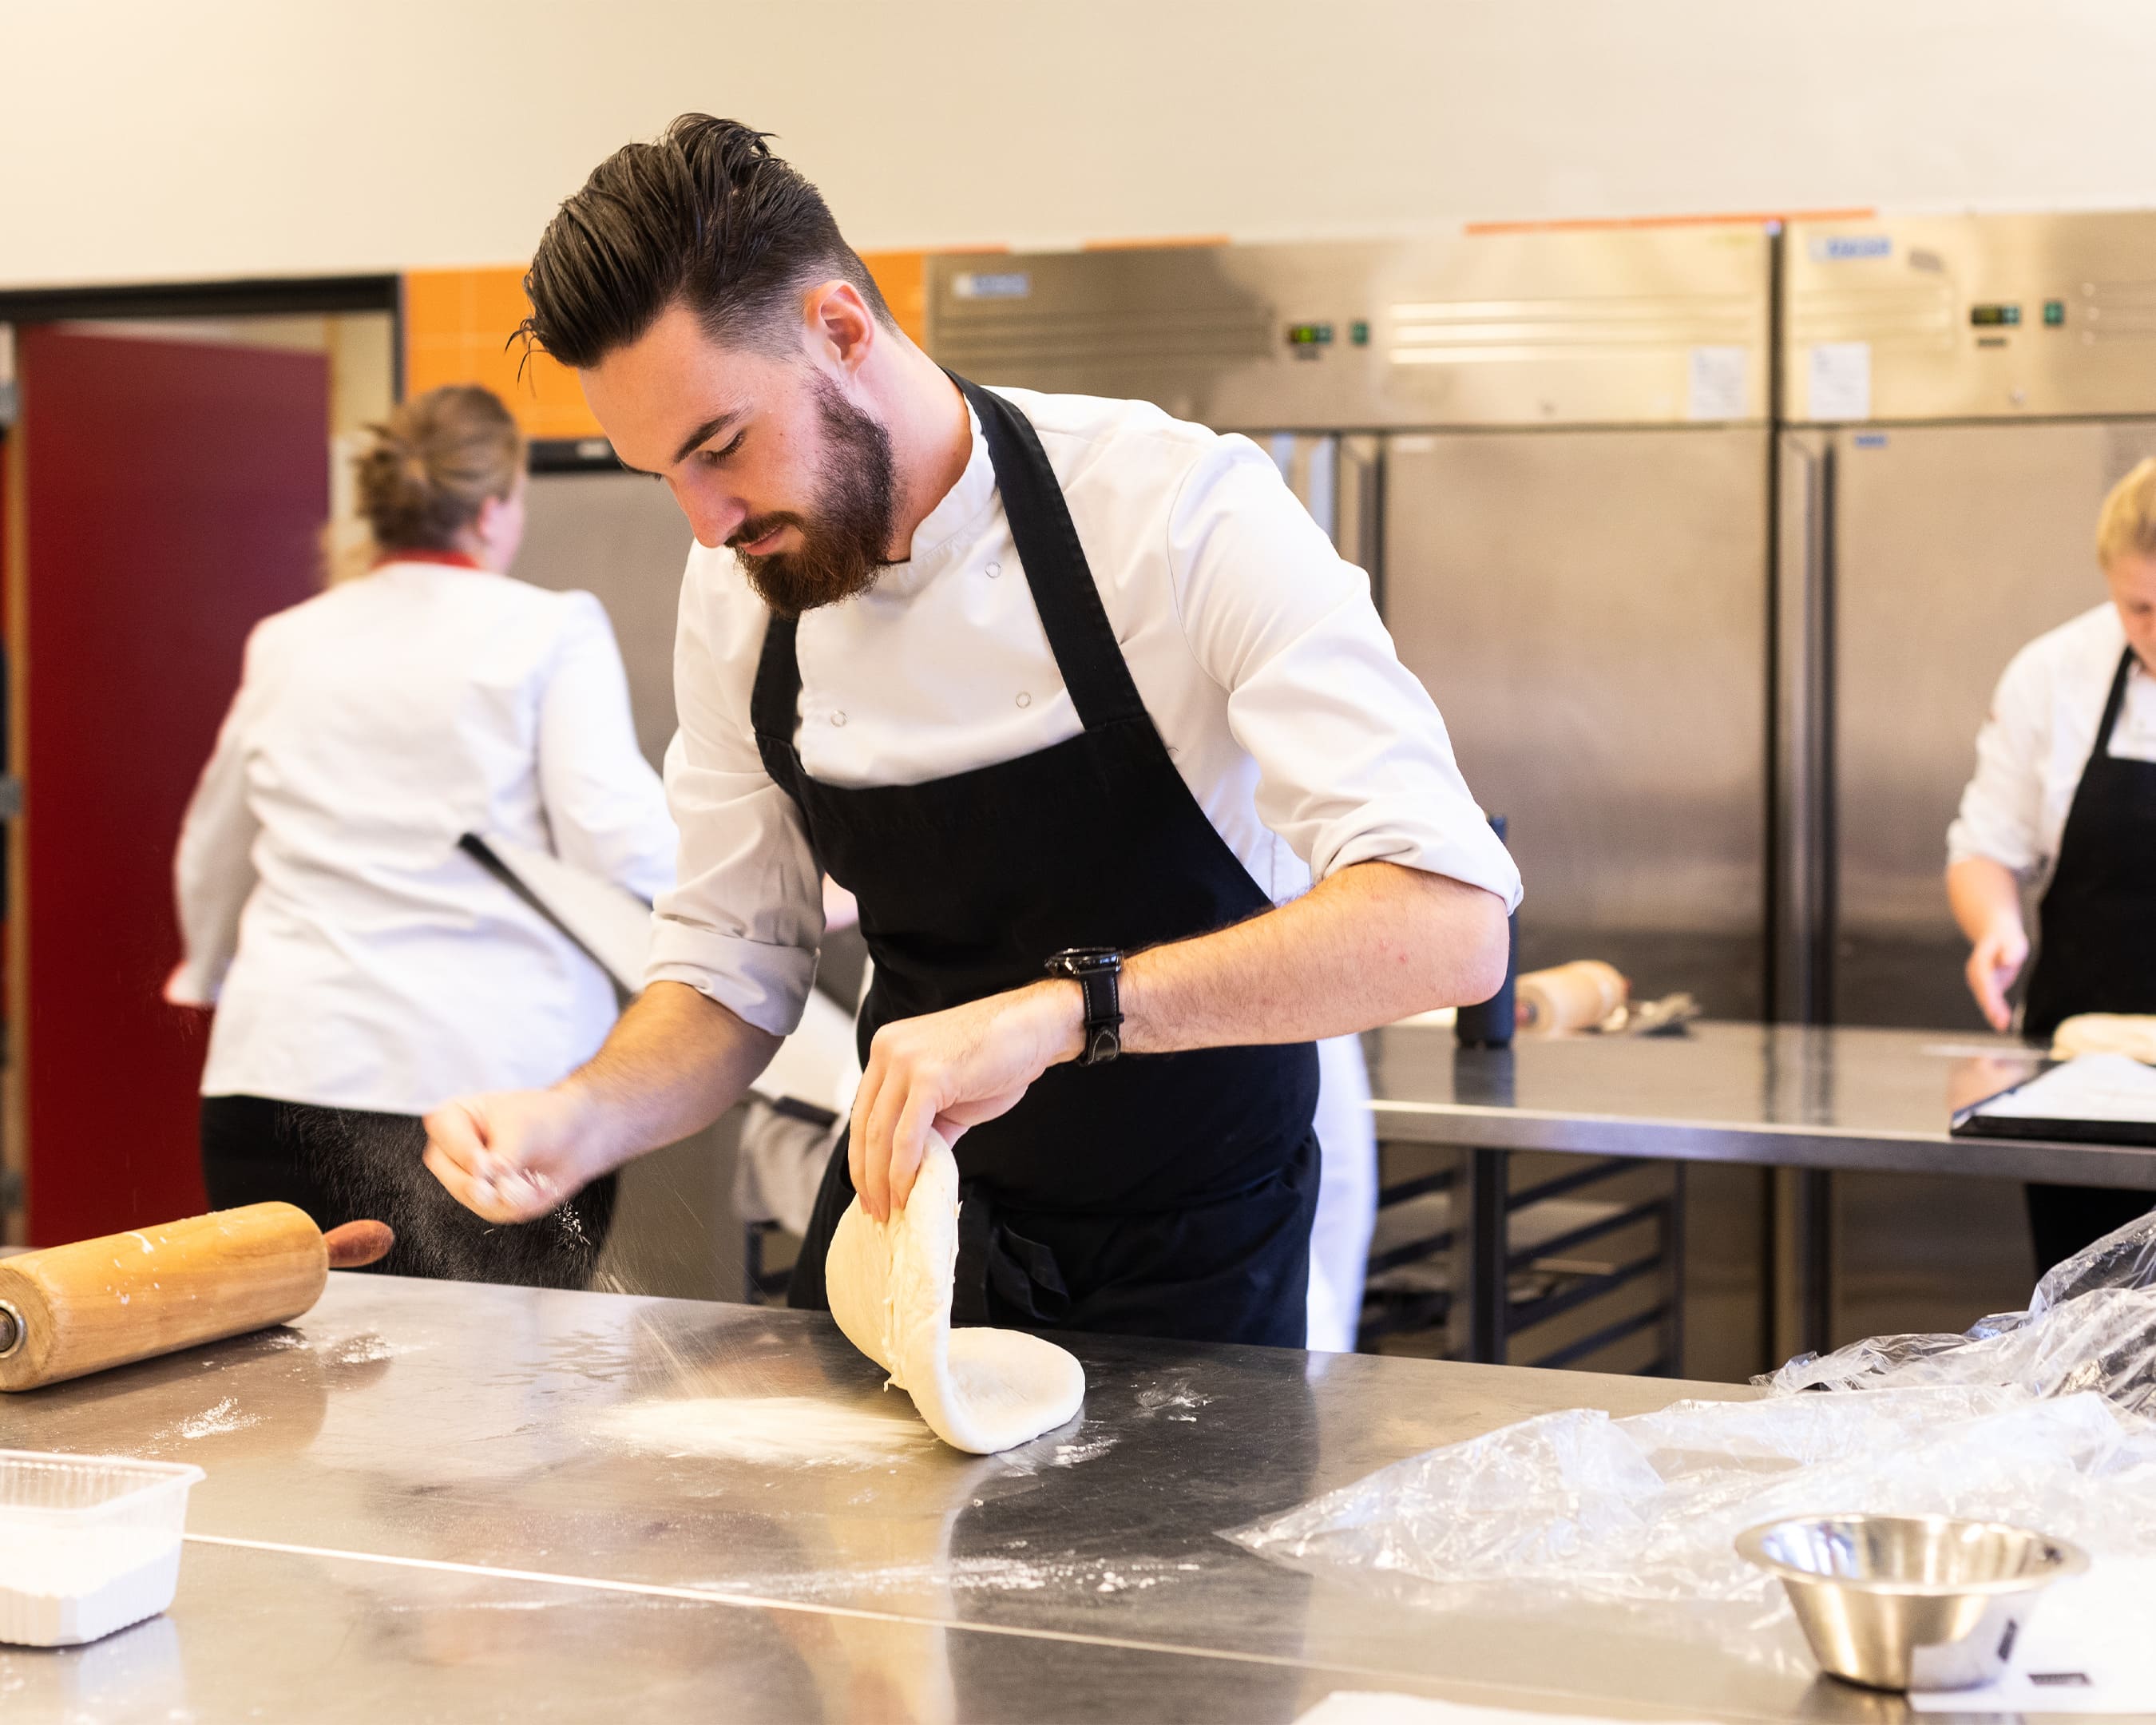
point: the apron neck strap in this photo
(1060, 579)
(2112, 704)
(1056, 573)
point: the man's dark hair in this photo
(707, 217)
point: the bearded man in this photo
(1088, 712)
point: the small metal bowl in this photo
(1910, 1602)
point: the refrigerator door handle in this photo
(1359, 485)
(1805, 800)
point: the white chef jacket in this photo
(356, 957)
(1255, 648)
(2037, 738)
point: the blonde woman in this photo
(2065, 792)
(362, 967)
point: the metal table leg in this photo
(1488, 1176)
(1815, 1259)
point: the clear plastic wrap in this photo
(2090, 1325)
(2034, 1417)
(1646, 1508)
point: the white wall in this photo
(141, 140)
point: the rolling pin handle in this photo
(13, 1329)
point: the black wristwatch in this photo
(1094, 969)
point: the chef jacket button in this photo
(837, 718)
(1024, 698)
(994, 570)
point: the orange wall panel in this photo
(458, 325)
(902, 279)
(457, 329)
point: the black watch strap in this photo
(1097, 971)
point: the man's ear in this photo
(841, 328)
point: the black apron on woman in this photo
(1153, 1194)
(2097, 952)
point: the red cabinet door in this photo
(172, 493)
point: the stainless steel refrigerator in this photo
(1551, 452)
(1961, 392)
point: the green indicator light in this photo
(2054, 313)
(1358, 332)
(1994, 316)
(1309, 335)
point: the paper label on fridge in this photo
(998, 284)
(1839, 377)
(1720, 385)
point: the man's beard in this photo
(843, 542)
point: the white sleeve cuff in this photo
(1478, 858)
(1966, 840)
(760, 984)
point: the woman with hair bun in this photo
(362, 967)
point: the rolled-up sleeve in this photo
(1354, 762)
(2002, 809)
(744, 920)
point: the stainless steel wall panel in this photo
(1909, 290)
(621, 536)
(1588, 609)
(1648, 326)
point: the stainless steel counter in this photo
(430, 1501)
(1811, 1100)
(1788, 1095)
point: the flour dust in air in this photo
(890, 1288)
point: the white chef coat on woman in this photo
(356, 957)
(2037, 737)
(1255, 648)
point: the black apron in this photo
(1155, 1194)
(2097, 952)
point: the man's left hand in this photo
(951, 1071)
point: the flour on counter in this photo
(215, 1421)
(1179, 1402)
(362, 1351)
(1071, 1455)
(777, 1430)
(1068, 1573)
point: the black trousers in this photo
(2065, 1219)
(345, 1165)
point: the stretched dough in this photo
(889, 1284)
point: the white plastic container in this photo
(87, 1543)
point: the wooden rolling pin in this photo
(71, 1309)
(1570, 997)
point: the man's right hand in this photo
(1994, 962)
(513, 1155)
(675, 1062)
